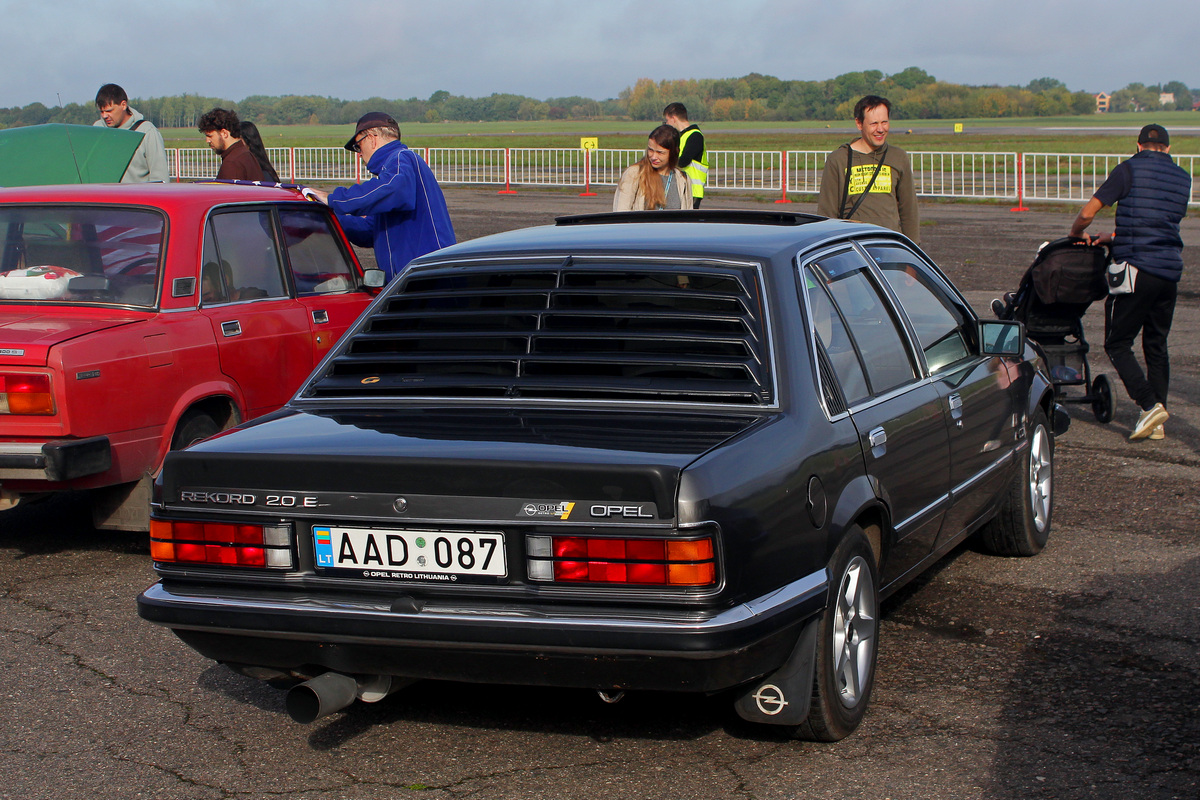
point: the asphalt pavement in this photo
(1073, 674)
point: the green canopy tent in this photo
(38, 155)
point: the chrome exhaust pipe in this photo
(321, 696)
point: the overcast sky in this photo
(355, 49)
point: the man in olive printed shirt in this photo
(879, 188)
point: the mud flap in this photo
(784, 696)
(123, 508)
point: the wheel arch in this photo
(222, 402)
(860, 505)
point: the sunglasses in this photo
(357, 146)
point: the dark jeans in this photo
(1148, 309)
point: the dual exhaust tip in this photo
(330, 692)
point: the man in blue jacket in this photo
(401, 211)
(1151, 193)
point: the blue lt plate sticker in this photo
(324, 546)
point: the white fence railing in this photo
(1047, 177)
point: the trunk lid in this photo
(452, 464)
(28, 334)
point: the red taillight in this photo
(26, 394)
(221, 543)
(586, 559)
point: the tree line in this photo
(915, 94)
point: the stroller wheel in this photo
(1102, 402)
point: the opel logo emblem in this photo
(769, 699)
(370, 380)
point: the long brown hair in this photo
(650, 182)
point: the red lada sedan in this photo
(137, 319)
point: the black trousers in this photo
(1149, 310)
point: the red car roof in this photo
(166, 196)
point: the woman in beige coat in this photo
(655, 182)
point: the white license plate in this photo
(436, 555)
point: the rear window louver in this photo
(668, 332)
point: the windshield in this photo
(71, 254)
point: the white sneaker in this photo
(1157, 433)
(1148, 421)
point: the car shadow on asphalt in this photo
(63, 523)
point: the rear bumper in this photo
(55, 461)
(495, 643)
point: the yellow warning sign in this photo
(589, 143)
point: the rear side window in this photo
(43, 248)
(241, 259)
(867, 318)
(319, 264)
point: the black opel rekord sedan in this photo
(677, 451)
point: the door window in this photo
(940, 325)
(867, 319)
(241, 259)
(319, 263)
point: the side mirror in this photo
(1001, 337)
(374, 278)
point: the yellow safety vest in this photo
(698, 169)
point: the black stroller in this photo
(1066, 277)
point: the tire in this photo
(1022, 525)
(194, 427)
(847, 643)
(1102, 406)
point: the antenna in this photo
(70, 145)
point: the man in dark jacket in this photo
(401, 211)
(223, 132)
(1151, 193)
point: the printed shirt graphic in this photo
(860, 176)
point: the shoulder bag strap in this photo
(846, 187)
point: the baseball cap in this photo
(1154, 134)
(375, 119)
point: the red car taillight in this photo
(25, 394)
(223, 543)
(644, 562)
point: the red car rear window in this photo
(43, 249)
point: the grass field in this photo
(1092, 134)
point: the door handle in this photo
(320, 316)
(231, 328)
(877, 437)
(956, 411)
